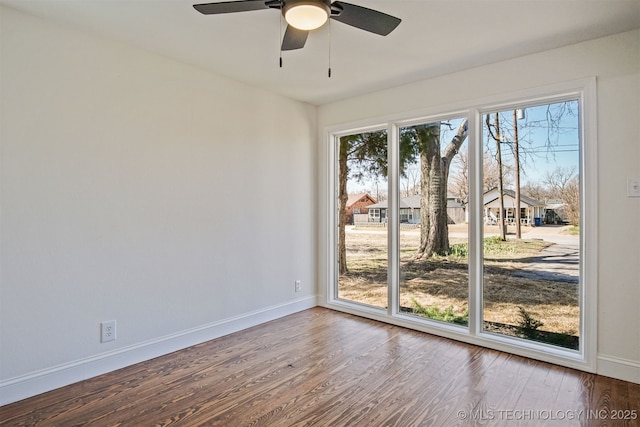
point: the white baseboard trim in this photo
(622, 369)
(39, 382)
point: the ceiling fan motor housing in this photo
(306, 14)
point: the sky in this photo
(548, 137)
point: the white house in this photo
(409, 211)
(530, 209)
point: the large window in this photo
(434, 278)
(362, 240)
(531, 222)
(476, 224)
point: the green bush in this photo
(460, 250)
(434, 312)
(528, 324)
(492, 246)
(496, 246)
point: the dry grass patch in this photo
(443, 281)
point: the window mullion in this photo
(393, 221)
(475, 222)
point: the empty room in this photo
(306, 212)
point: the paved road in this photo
(552, 233)
(559, 262)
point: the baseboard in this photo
(49, 379)
(622, 369)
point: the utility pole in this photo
(501, 217)
(516, 154)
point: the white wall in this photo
(615, 61)
(139, 189)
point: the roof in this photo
(555, 206)
(488, 197)
(353, 198)
(413, 202)
(380, 205)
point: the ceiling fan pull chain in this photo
(329, 70)
(280, 39)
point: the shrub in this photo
(460, 250)
(492, 246)
(434, 312)
(528, 324)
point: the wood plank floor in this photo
(324, 368)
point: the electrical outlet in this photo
(298, 285)
(108, 331)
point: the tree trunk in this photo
(433, 236)
(502, 223)
(343, 197)
(434, 229)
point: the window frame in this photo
(584, 91)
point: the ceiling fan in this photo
(303, 16)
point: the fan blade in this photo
(364, 18)
(294, 38)
(231, 6)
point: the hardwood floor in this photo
(324, 368)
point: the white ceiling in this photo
(434, 38)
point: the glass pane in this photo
(434, 273)
(362, 218)
(532, 223)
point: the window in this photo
(483, 227)
(434, 272)
(531, 280)
(362, 252)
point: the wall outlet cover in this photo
(108, 331)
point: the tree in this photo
(365, 156)
(564, 184)
(494, 133)
(361, 156)
(435, 164)
(410, 184)
(541, 134)
(491, 174)
(536, 191)
(460, 178)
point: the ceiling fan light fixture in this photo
(306, 15)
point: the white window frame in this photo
(584, 91)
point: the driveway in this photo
(559, 262)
